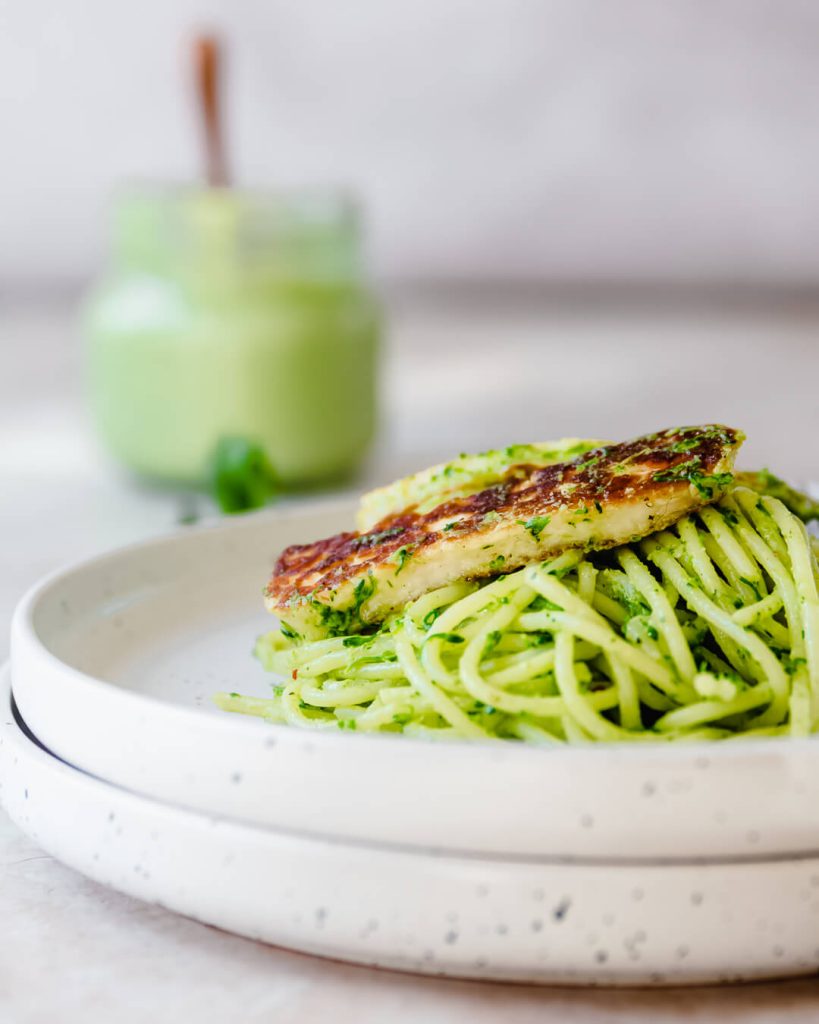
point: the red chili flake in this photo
(295, 673)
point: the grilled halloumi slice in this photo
(604, 497)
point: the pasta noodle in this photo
(707, 630)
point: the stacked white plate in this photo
(626, 865)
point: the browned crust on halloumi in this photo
(605, 497)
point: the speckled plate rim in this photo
(741, 799)
(428, 912)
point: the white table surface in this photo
(71, 950)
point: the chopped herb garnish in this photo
(241, 475)
(402, 556)
(368, 540)
(682, 471)
(753, 587)
(364, 589)
(792, 664)
(430, 617)
(710, 486)
(685, 445)
(336, 621)
(341, 622)
(492, 641)
(448, 638)
(535, 525)
(691, 471)
(373, 659)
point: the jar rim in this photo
(302, 231)
(194, 195)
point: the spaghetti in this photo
(707, 630)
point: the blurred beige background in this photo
(559, 140)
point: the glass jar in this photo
(234, 314)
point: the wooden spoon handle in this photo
(208, 66)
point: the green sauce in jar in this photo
(234, 315)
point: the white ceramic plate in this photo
(114, 663)
(472, 916)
